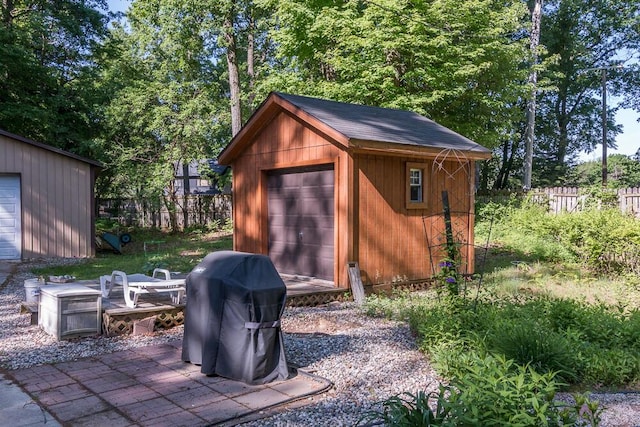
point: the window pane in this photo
(416, 193)
(415, 177)
(415, 185)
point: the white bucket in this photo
(32, 290)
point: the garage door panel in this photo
(315, 208)
(7, 192)
(8, 223)
(314, 236)
(314, 192)
(323, 252)
(281, 207)
(285, 236)
(301, 217)
(316, 179)
(7, 208)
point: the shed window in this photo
(416, 186)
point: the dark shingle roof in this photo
(362, 122)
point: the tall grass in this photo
(560, 304)
(606, 241)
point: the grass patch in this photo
(509, 275)
(177, 252)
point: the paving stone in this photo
(110, 418)
(150, 409)
(78, 408)
(128, 395)
(261, 398)
(232, 388)
(197, 396)
(221, 411)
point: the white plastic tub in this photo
(32, 290)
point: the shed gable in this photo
(287, 139)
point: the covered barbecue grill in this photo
(232, 318)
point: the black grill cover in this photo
(232, 318)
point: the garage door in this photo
(301, 213)
(10, 237)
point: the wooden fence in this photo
(207, 210)
(201, 210)
(572, 199)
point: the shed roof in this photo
(50, 148)
(354, 123)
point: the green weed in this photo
(487, 390)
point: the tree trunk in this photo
(170, 202)
(563, 139)
(250, 59)
(536, 18)
(506, 168)
(234, 75)
(185, 194)
(7, 9)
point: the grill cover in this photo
(232, 318)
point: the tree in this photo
(46, 68)
(456, 62)
(243, 35)
(624, 172)
(583, 36)
(168, 106)
(229, 41)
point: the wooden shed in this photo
(46, 201)
(318, 184)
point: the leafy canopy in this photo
(459, 63)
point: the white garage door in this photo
(10, 234)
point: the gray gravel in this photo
(23, 345)
(367, 359)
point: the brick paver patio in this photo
(151, 386)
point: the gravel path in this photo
(367, 359)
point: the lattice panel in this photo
(319, 298)
(167, 320)
(120, 324)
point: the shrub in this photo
(581, 344)
(487, 391)
(492, 390)
(605, 239)
(526, 230)
(526, 342)
(410, 410)
(153, 262)
(611, 367)
(571, 339)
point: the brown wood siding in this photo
(285, 142)
(393, 240)
(57, 199)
